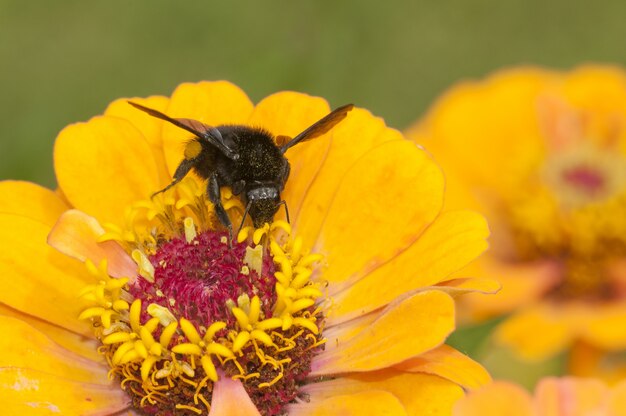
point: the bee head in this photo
(264, 202)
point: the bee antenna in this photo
(243, 219)
(284, 203)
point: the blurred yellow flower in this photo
(344, 311)
(543, 155)
(553, 396)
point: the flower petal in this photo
(582, 396)
(520, 332)
(456, 287)
(31, 392)
(352, 138)
(451, 242)
(360, 231)
(496, 399)
(446, 362)
(78, 344)
(150, 127)
(604, 326)
(231, 399)
(420, 394)
(407, 328)
(103, 166)
(37, 279)
(31, 200)
(212, 103)
(522, 284)
(617, 401)
(76, 235)
(372, 402)
(290, 113)
(26, 347)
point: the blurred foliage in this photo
(63, 61)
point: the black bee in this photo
(246, 159)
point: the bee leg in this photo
(213, 192)
(181, 171)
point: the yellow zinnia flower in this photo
(344, 311)
(543, 155)
(553, 396)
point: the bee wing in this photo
(199, 129)
(320, 127)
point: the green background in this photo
(63, 61)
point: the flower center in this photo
(575, 216)
(202, 309)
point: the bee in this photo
(249, 160)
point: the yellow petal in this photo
(496, 399)
(150, 127)
(76, 235)
(290, 113)
(385, 201)
(103, 166)
(616, 405)
(446, 362)
(32, 201)
(230, 399)
(482, 113)
(38, 280)
(352, 138)
(522, 284)
(407, 328)
(451, 242)
(457, 287)
(25, 347)
(536, 333)
(33, 393)
(212, 103)
(605, 326)
(420, 394)
(372, 402)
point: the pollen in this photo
(200, 309)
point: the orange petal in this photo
(37, 279)
(212, 103)
(290, 113)
(407, 328)
(585, 360)
(231, 399)
(359, 133)
(31, 392)
(452, 241)
(103, 166)
(383, 204)
(31, 200)
(446, 362)
(372, 402)
(150, 127)
(78, 344)
(26, 347)
(580, 396)
(420, 394)
(76, 235)
(496, 399)
(536, 333)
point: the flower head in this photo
(543, 155)
(129, 302)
